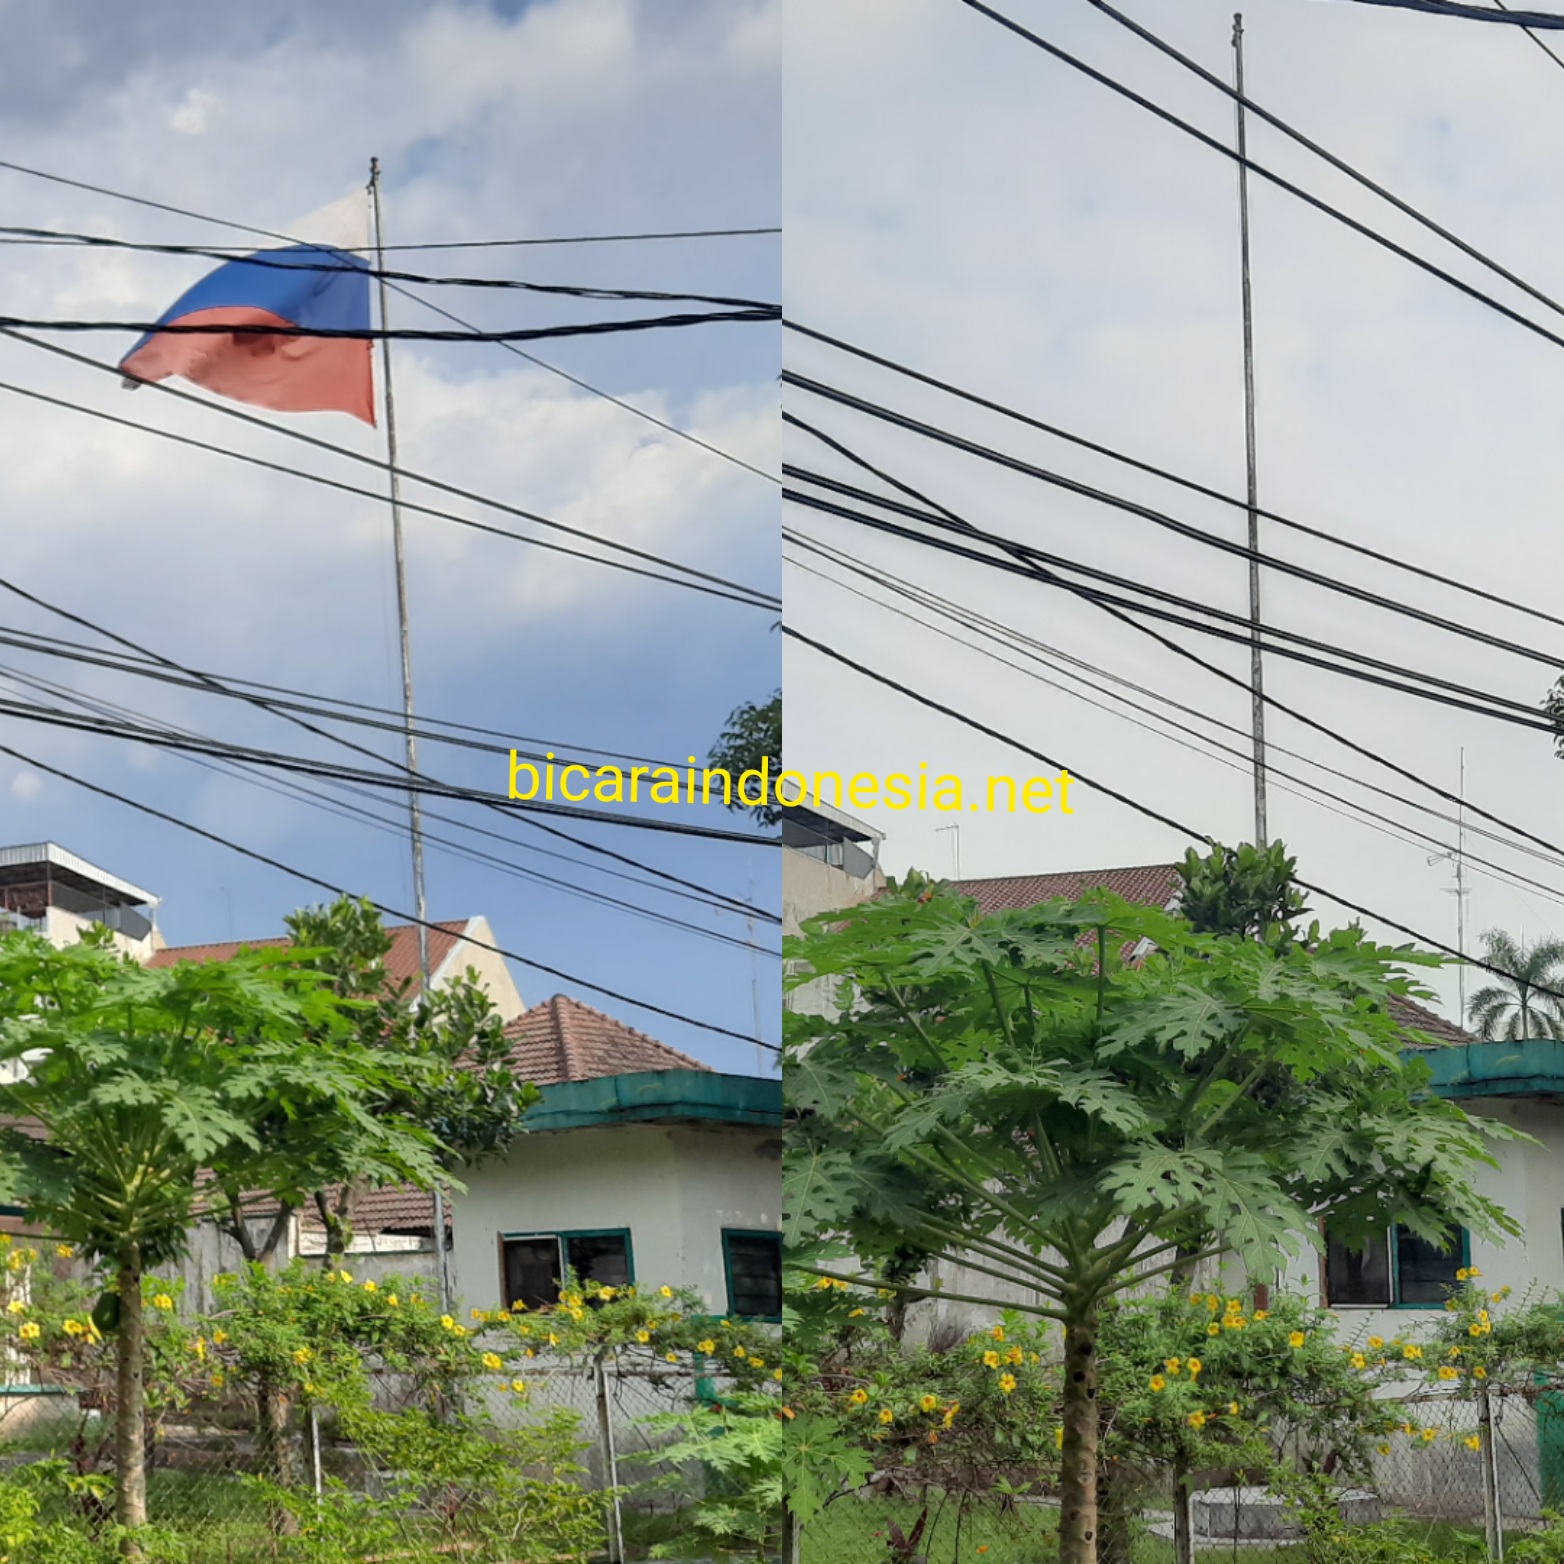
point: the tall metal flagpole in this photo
(414, 815)
(1256, 666)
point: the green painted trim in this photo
(1464, 1256)
(559, 1234)
(727, 1267)
(1534, 1068)
(657, 1096)
(35, 1390)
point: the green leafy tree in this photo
(753, 734)
(1246, 891)
(1009, 1093)
(122, 1086)
(1515, 1006)
(451, 1074)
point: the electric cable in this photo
(394, 334)
(277, 263)
(1190, 656)
(1215, 749)
(33, 763)
(288, 239)
(1152, 470)
(1027, 560)
(1168, 117)
(286, 787)
(1158, 518)
(1132, 803)
(750, 595)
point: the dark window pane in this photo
(1356, 1278)
(1424, 1273)
(602, 1258)
(532, 1272)
(755, 1274)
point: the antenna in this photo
(955, 842)
(1460, 892)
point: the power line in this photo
(393, 334)
(750, 596)
(1158, 518)
(1126, 799)
(1168, 117)
(1050, 579)
(1462, 697)
(1206, 746)
(1152, 470)
(398, 782)
(286, 787)
(386, 911)
(288, 239)
(277, 263)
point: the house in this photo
(829, 860)
(45, 888)
(641, 1166)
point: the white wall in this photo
(674, 1186)
(493, 974)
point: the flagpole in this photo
(414, 814)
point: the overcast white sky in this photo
(958, 200)
(493, 120)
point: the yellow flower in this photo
(519, 1386)
(1173, 1365)
(950, 1413)
(16, 1306)
(344, 1276)
(447, 1321)
(1383, 1449)
(217, 1379)
(1232, 1409)
(1429, 1435)
(1058, 1439)
(1194, 1366)
(756, 1363)
(739, 1352)
(991, 1360)
(1454, 1352)
(1158, 1383)
(1015, 1355)
(1262, 1314)
(1479, 1372)
(643, 1336)
(1462, 1274)
(665, 1292)
(458, 1330)
(1448, 1373)
(929, 1403)
(1235, 1306)
(1296, 1339)
(219, 1337)
(672, 1357)
(1375, 1343)
(998, 1333)
(859, 1396)
(853, 1314)
(777, 1375)
(64, 1251)
(1234, 1322)
(1007, 1383)
(1411, 1351)
(1213, 1329)
(30, 1331)
(886, 1415)
(1473, 1272)
(491, 1361)
(607, 1294)
(162, 1301)
(707, 1346)
(1474, 1330)
(393, 1300)
(199, 1344)
(472, 1314)
(1473, 1442)
(303, 1355)
(1197, 1419)
(76, 1328)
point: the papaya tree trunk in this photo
(276, 1454)
(130, 1414)
(1183, 1531)
(1078, 1464)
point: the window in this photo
(753, 1262)
(535, 1264)
(1402, 1271)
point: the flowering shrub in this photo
(1478, 1339)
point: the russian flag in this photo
(318, 283)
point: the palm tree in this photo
(1513, 1008)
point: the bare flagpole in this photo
(414, 814)
(1256, 666)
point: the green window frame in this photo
(747, 1241)
(1392, 1250)
(563, 1238)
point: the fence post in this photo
(605, 1426)
(792, 1537)
(1493, 1520)
(315, 1468)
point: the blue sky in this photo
(988, 216)
(574, 117)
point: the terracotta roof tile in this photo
(401, 959)
(565, 1040)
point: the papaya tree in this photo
(125, 1091)
(1012, 1095)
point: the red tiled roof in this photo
(565, 1040)
(401, 959)
(399, 1208)
(1153, 885)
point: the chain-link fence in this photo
(239, 1485)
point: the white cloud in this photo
(26, 786)
(189, 119)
